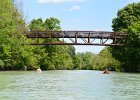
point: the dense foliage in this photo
(91, 61)
(105, 60)
(11, 39)
(128, 20)
(17, 54)
(56, 57)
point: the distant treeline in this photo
(17, 54)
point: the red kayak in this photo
(105, 72)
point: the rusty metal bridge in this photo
(99, 38)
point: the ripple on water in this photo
(69, 85)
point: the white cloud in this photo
(76, 7)
(58, 1)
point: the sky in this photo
(95, 15)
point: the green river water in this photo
(69, 85)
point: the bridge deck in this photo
(87, 37)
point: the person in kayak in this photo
(39, 70)
(106, 71)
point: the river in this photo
(69, 85)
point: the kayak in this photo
(105, 72)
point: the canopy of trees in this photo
(11, 39)
(57, 57)
(17, 54)
(128, 20)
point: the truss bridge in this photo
(100, 38)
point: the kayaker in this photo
(106, 71)
(39, 70)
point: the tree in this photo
(52, 24)
(49, 24)
(56, 57)
(10, 23)
(14, 53)
(36, 25)
(127, 20)
(84, 61)
(105, 60)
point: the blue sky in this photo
(94, 15)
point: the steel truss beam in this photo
(100, 38)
